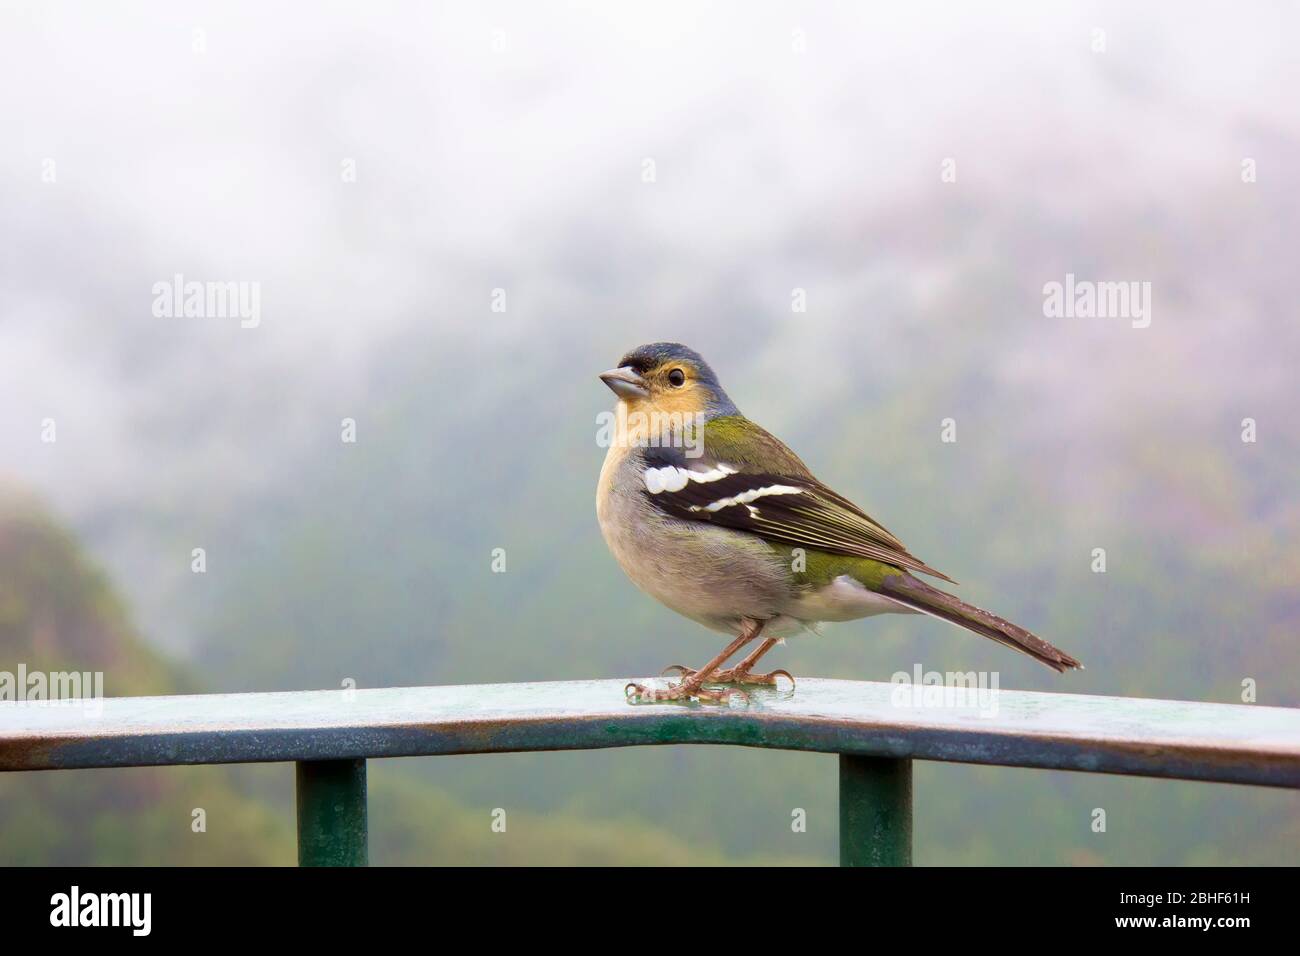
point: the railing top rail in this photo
(1160, 738)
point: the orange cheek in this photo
(688, 400)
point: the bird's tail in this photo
(916, 594)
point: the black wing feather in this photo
(794, 510)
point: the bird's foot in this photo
(688, 689)
(733, 675)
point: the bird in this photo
(719, 520)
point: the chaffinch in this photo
(720, 521)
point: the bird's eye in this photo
(677, 377)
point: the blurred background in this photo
(650, 172)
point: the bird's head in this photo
(669, 379)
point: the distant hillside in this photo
(59, 612)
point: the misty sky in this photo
(504, 146)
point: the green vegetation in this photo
(57, 610)
(376, 566)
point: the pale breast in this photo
(712, 575)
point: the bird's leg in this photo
(693, 685)
(740, 674)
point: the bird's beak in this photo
(625, 382)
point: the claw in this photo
(768, 679)
(784, 673)
(719, 696)
(638, 693)
(736, 692)
(681, 669)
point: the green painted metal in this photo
(332, 825)
(1231, 743)
(877, 729)
(875, 811)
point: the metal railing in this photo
(877, 729)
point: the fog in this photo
(378, 174)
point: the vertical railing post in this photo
(875, 811)
(332, 829)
